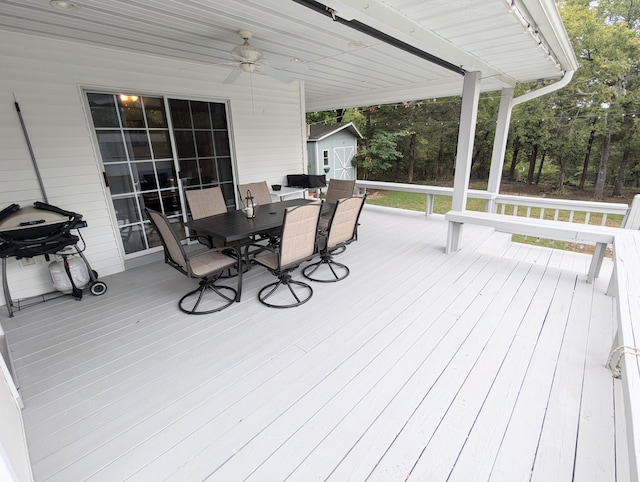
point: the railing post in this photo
(429, 206)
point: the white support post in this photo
(453, 237)
(500, 145)
(466, 134)
(596, 262)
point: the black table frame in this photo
(234, 228)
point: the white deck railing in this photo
(561, 209)
(588, 212)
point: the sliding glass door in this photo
(152, 148)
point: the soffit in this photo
(340, 67)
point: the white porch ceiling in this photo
(341, 67)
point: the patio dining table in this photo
(235, 229)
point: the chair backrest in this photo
(344, 222)
(299, 233)
(340, 189)
(206, 202)
(259, 191)
(173, 250)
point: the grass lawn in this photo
(417, 202)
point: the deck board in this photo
(482, 444)
(484, 364)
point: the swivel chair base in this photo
(286, 280)
(338, 270)
(206, 285)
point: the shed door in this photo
(342, 168)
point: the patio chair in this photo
(259, 191)
(206, 266)
(341, 232)
(209, 202)
(261, 196)
(297, 244)
(203, 203)
(339, 189)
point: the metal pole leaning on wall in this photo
(33, 157)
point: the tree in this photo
(379, 155)
(608, 51)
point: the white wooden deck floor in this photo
(486, 364)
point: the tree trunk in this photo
(587, 156)
(544, 154)
(438, 171)
(532, 164)
(339, 115)
(560, 183)
(514, 160)
(619, 184)
(368, 129)
(598, 194)
(411, 158)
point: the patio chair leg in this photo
(309, 270)
(286, 280)
(208, 285)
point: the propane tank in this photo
(77, 268)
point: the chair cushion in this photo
(210, 262)
(268, 259)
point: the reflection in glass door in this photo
(202, 144)
(139, 158)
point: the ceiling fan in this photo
(249, 60)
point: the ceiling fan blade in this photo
(276, 74)
(231, 78)
(296, 67)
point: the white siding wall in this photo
(47, 78)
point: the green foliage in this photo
(331, 117)
(379, 155)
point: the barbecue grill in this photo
(41, 229)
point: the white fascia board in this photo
(389, 95)
(550, 24)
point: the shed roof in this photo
(317, 132)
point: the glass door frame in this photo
(175, 158)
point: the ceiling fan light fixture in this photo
(247, 66)
(246, 53)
